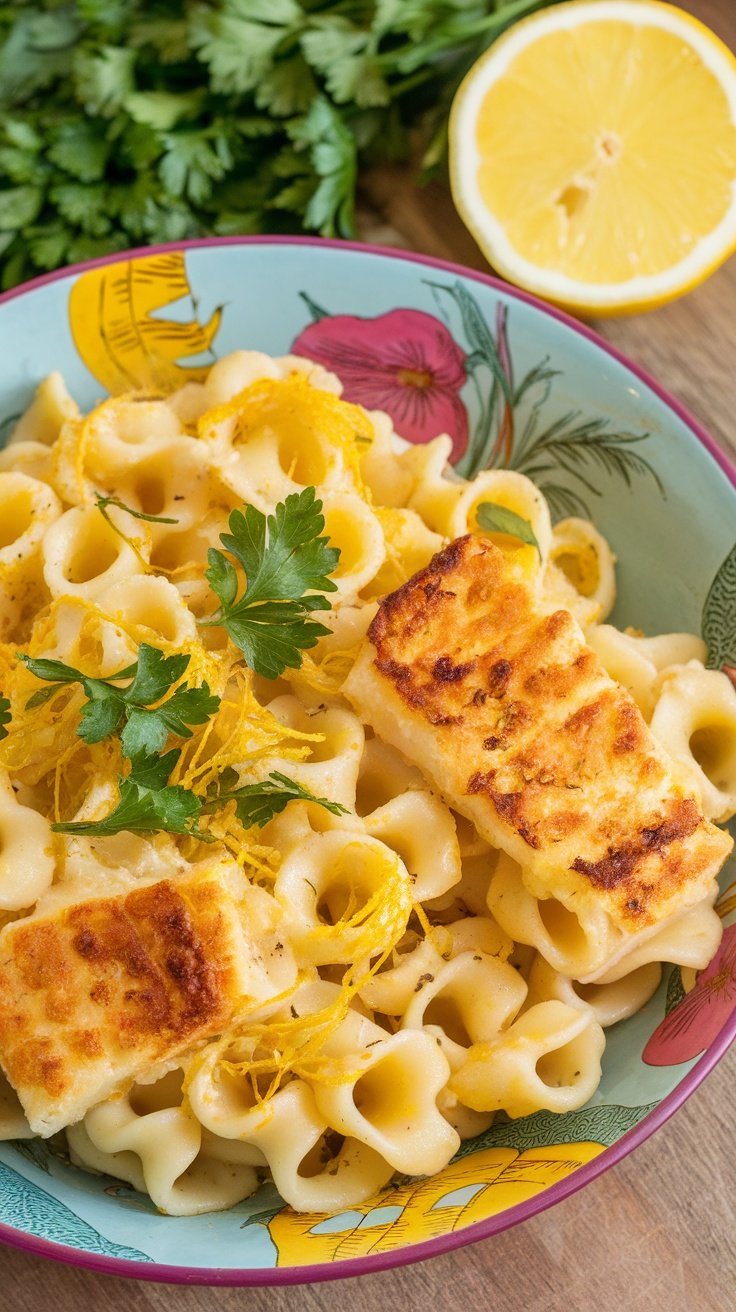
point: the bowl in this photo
(517, 384)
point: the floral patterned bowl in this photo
(515, 384)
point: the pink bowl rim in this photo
(224, 1276)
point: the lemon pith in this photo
(593, 153)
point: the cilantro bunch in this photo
(125, 122)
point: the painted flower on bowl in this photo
(695, 1022)
(404, 362)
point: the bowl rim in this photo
(500, 1221)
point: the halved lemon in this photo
(593, 154)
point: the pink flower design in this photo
(695, 1022)
(404, 362)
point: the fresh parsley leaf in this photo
(102, 714)
(103, 502)
(153, 771)
(19, 206)
(492, 518)
(193, 161)
(154, 675)
(35, 52)
(287, 566)
(346, 56)
(287, 89)
(239, 44)
(256, 804)
(147, 804)
(145, 728)
(104, 78)
(5, 716)
(162, 110)
(333, 155)
(48, 245)
(84, 204)
(80, 149)
(148, 730)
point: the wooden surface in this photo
(658, 1231)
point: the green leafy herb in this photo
(5, 716)
(110, 708)
(258, 803)
(287, 566)
(104, 502)
(147, 804)
(493, 518)
(123, 122)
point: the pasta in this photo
(353, 980)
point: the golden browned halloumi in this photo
(513, 718)
(98, 991)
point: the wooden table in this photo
(658, 1231)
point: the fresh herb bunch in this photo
(125, 122)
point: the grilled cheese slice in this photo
(96, 992)
(512, 717)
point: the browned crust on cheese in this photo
(680, 819)
(518, 696)
(150, 971)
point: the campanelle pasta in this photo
(403, 981)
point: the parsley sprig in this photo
(147, 804)
(110, 708)
(257, 803)
(286, 563)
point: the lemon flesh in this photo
(594, 153)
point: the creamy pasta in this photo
(382, 981)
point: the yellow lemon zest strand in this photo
(438, 935)
(293, 1045)
(326, 674)
(306, 422)
(237, 842)
(68, 455)
(80, 768)
(241, 731)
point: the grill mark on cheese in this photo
(498, 678)
(444, 671)
(682, 821)
(534, 742)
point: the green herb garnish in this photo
(5, 716)
(492, 518)
(145, 727)
(148, 804)
(287, 566)
(103, 502)
(256, 804)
